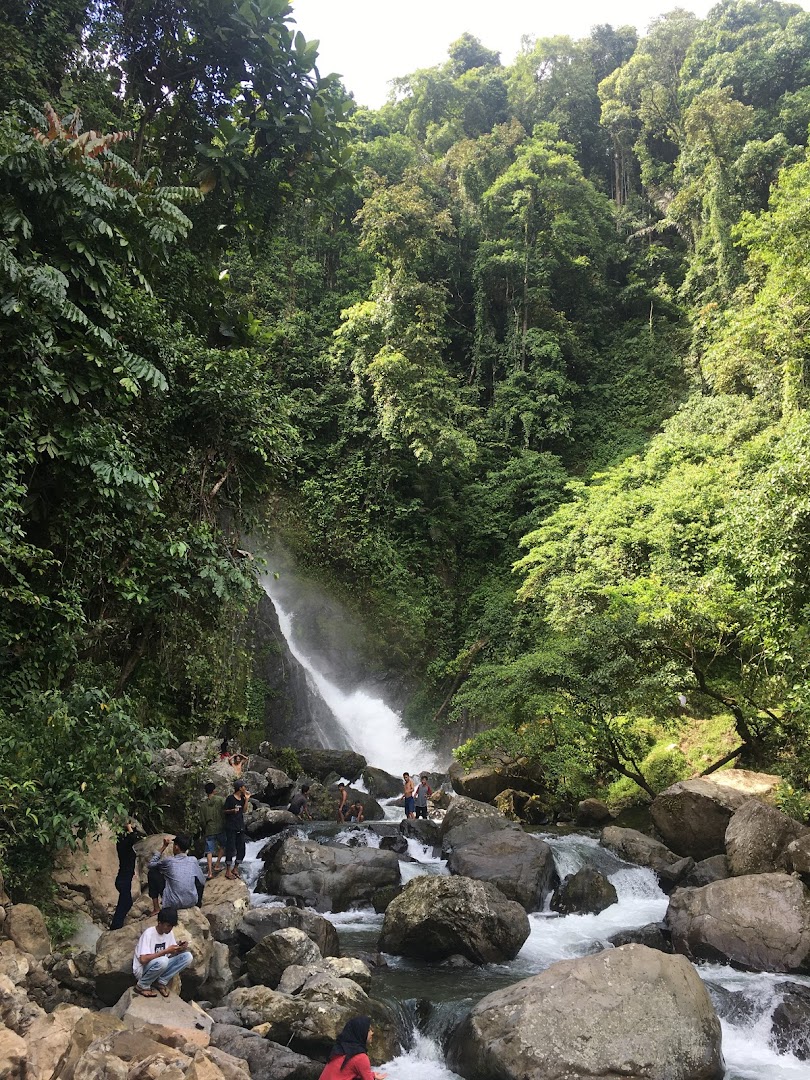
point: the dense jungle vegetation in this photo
(516, 363)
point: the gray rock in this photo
(790, 1024)
(334, 877)
(435, 917)
(587, 892)
(798, 857)
(266, 1059)
(319, 764)
(467, 820)
(705, 872)
(519, 864)
(630, 1012)
(422, 829)
(25, 925)
(757, 837)
(760, 922)
(383, 897)
(265, 821)
(653, 935)
(381, 784)
(267, 960)
(260, 922)
(637, 847)
(692, 816)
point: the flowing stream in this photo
(436, 996)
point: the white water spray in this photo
(369, 726)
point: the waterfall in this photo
(361, 720)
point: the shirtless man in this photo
(407, 791)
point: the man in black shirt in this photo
(299, 802)
(235, 807)
(125, 848)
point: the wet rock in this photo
(435, 917)
(267, 960)
(278, 786)
(394, 843)
(318, 764)
(790, 1025)
(324, 800)
(760, 922)
(653, 935)
(381, 784)
(334, 877)
(692, 816)
(422, 829)
(637, 847)
(259, 922)
(705, 872)
(26, 927)
(630, 1012)
(587, 892)
(757, 837)
(520, 865)
(593, 812)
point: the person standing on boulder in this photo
(235, 807)
(212, 819)
(407, 791)
(344, 798)
(125, 849)
(349, 1057)
(423, 793)
(159, 957)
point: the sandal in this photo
(146, 992)
(162, 990)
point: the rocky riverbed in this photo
(480, 949)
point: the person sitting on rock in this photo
(300, 802)
(159, 957)
(177, 876)
(356, 812)
(349, 1057)
(212, 819)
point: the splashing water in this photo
(424, 1059)
(368, 725)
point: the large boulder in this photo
(278, 787)
(469, 819)
(790, 1024)
(57, 1041)
(323, 802)
(225, 903)
(115, 950)
(593, 812)
(267, 961)
(264, 1058)
(259, 922)
(435, 917)
(637, 847)
(586, 892)
(523, 807)
(705, 872)
(757, 837)
(183, 1017)
(520, 865)
(263, 821)
(25, 925)
(332, 878)
(630, 1012)
(321, 764)
(203, 750)
(85, 878)
(382, 784)
(692, 816)
(761, 922)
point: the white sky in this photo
(369, 42)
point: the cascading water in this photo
(361, 721)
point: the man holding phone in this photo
(159, 957)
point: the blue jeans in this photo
(163, 968)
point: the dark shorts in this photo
(421, 811)
(409, 805)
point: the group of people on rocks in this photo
(416, 796)
(347, 811)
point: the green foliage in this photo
(288, 760)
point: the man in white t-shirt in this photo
(158, 956)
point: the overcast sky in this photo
(371, 41)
